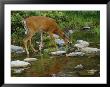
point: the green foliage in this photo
(74, 20)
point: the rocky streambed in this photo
(81, 60)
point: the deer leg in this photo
(32, 46)
(25, 40)
(41, 43)
(25, 45)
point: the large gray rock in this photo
(17, 49)
(90, 50)
(19, 64)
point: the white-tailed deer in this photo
(41, 24)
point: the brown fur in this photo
(42, 24)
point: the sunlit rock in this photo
(81, 44)
(18, 63)
(17, 49)
(90, 50)
(58, 53)
(76, 54)
(30, 59)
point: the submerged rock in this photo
(17, 49)
(30, 59)
(18, 64)
(76, 54)
(58, 53)
(90, 50)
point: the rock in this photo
(59, 41)
(58, 53)
(86, 28)
(81, 44)
(30, 59)
(89, 50)
(17, 49)
(18, 64)
(79, 67)
(76, 54)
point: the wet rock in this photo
(79, 67)
(18, 64)
(58, 53)
(90, 50)
(17, 49)
(30, 59)
(76, 54)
